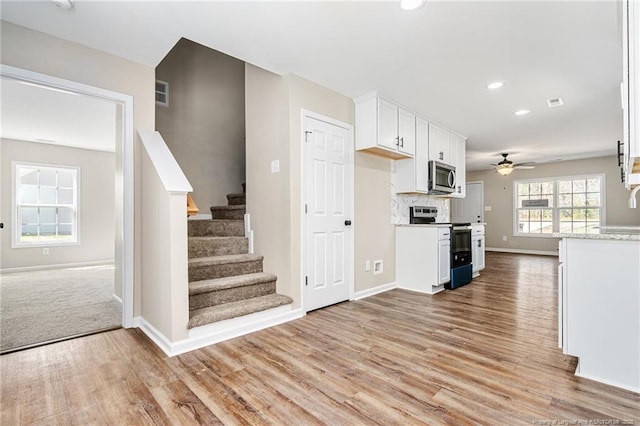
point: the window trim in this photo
(15, 216)
(556, 208)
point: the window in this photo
(162, 93)
(565, 204)
(45, 205)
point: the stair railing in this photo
(192, 208)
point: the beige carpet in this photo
(41, 306)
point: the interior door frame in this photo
(303, 223)
(125, 175)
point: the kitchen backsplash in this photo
(400, 204)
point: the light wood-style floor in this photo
(482, 354)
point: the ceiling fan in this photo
(505, 167)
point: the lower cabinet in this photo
(599, 306)
(444, 261)
(422, 257)
(477, 248)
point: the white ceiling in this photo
(38, 114)
(436, 61)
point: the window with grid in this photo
(565, 204)
(46, 205)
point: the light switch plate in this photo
(275, 166)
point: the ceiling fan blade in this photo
(523, 167)
(526, 163)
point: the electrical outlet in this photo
(275, 166)
(377, 267)
(367, 265)
(504, 238)
(45, 251)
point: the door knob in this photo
(347, 222)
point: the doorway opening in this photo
(67, 209)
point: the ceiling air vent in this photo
(554, 102)
(162, 93)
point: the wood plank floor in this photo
(482, 354)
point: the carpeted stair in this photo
(225, 281)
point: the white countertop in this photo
(426, 225)
(625, 233)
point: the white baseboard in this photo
(58, 266)
(376, 290)
(522, 251)
(608, 382)
(152, 333)
(220, 331)
(200, 216)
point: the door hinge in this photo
(305, 209)
(306, 135)
(306, 280)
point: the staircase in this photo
(225, 281)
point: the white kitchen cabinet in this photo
(384, 128)
(439, 149)
(457, 149)
(599, 302)
(631, 91)
(444, 261)
(422, 257)
(412, 174)
(477, 248)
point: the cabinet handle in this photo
(441, 155)
(402, 142)
(397, 140)
(620, 153)
(479, 243)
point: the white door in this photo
(328, 194)
(471, 208)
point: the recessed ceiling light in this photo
(522, 112)
(495, 85)
(63, 4)
(411, 4)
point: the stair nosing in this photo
(229, 305)
(222, 283)
(231, 207)
(228, 258)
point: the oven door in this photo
(460, 246)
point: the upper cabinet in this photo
(439, 145)
(384, 128)
(631, 91)
(458, 150)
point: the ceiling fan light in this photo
(504, 171)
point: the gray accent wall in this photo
(498, 194)
(204, 123)
(97, 205)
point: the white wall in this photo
(204, 122)
(39, 52)
(164, 289)
(274, 117)
(97, 198)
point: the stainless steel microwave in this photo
(442, 178)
